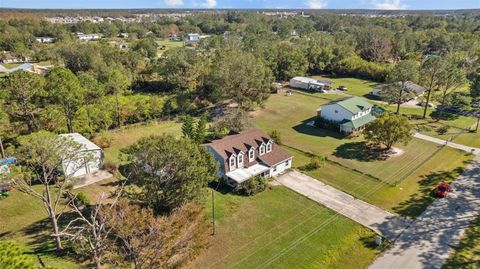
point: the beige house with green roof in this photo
(351, 114)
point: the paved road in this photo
(448, 144)
(428, 242)
(379, 220)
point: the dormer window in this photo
(240, 160)
(251, 154)
(232, 163)
(269, 146)
(262, 150)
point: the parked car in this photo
(342, 88)
(476, 104)
(442, 190)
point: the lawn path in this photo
(447, 143)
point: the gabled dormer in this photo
(251, 154)
(262, 149)
(232, 162)
(269, 146)
(240, 159)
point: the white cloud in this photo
(209, 4)
(389, 4)
(316, 4)
(173, 3)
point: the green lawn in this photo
(416, 172)
(169, 44)
(24, 221)
(129, 135)
(288, 115)
(281, 229)
(355, 86)
(467, 254)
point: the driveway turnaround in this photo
(428, 241)
(447, 143)
(382, 222)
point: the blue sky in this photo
(334, 4)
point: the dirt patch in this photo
(395, 152)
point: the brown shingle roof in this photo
(243, 141)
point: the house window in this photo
(262, 150)
(232, 163)
(251, 155)
(287, 163)
(269, 146)
(240, 160)
(275, 169)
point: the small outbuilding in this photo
(310, 84)
(88, 148)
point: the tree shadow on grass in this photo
(443, 115)
(41, 240)
(419, 201)
(303, 128)
(361, 151)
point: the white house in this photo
(309, 84)
(87, 37)
(193, 37)
(351, 114)
(412, 90)
(81, 168)
(45, 39)
(248, 154)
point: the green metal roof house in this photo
(352, 113)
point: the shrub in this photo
(82, 199)
(12, 257)
(442, 130)
(103, 140)
(276, 136)
(315, 163)
(253, 186)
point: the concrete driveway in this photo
(428, 242)
(382, 222)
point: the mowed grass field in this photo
(289, 115)
(399, 184)
(129, 135)
(355, 86)
(279, 228)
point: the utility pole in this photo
(478, 121)
(213, 212)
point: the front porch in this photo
(243, 174)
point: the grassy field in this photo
(355, 86)
(168, 44)
(402, 183)
(281, 229)
(467, 254)
(289, 115)
(129, 135)
(24, 221)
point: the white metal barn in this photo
(309, 84)
(83, 168)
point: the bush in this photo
(82, 199)
(253, 186)
(103, 140)
(276, 136)
(315, 163)
(442, 130)
(12, 257)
